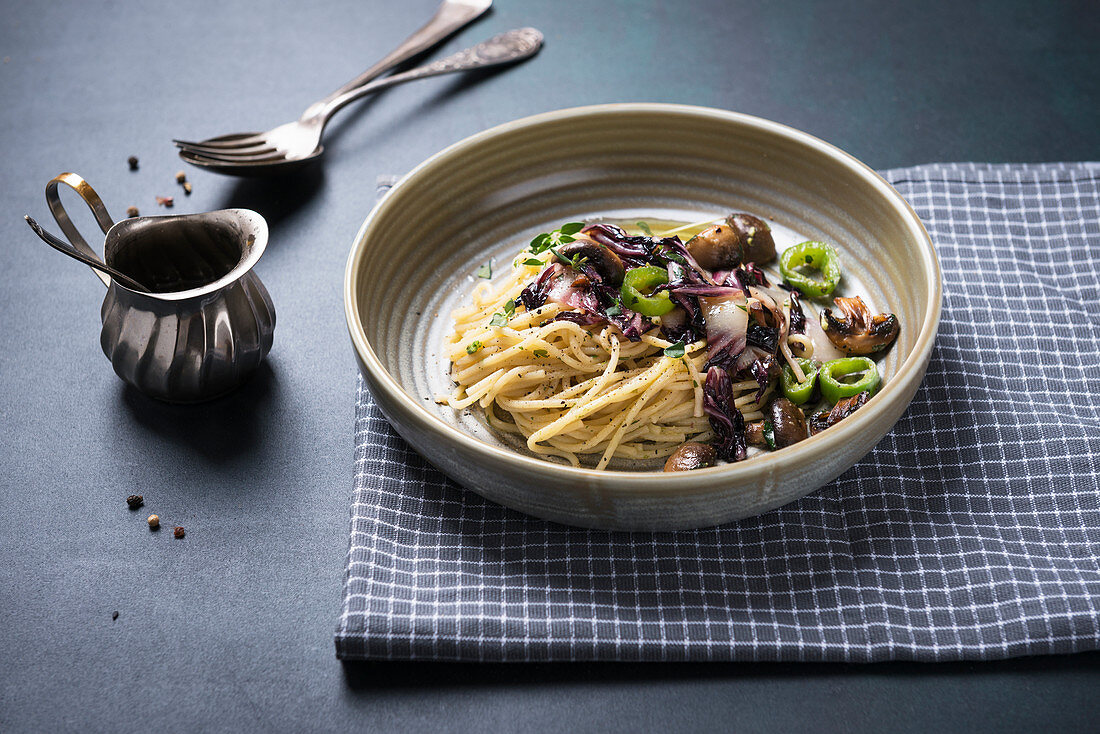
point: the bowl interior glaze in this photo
(483, 199)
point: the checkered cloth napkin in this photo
(972, 531)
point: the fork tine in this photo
(238, 159)
(222, 143)
(247, 150)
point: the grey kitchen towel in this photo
(971, 531)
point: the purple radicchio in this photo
(725, 419)
(534, 295)
(798, 318)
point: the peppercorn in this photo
(133, 161)
(132, 211)
(135, 501)
(154, 522)
(114, 616)
(178, 532)
(187, 187)
(165, 201)
(180, 176)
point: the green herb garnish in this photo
(614, 310)
(532, 261)
(474, 346)
(675, 351)
(574, 262)
(541, 353)
(498, 319)
(485, 271)
(563, 235)
(510, 309)
(645, 228)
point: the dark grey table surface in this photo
(231, 627)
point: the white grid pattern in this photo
(972, 531)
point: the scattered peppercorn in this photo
(166, 201)
(180, 176)
(154, 522)
(132, 211)
(178, 532)
(135, 501)
(133, 161)
(187, 187)
(114, 616)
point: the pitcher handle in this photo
(91, 198)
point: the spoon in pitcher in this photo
(293, 144)
(61, 246)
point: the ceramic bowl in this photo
(485, 197)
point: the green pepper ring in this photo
(833, 390)
(795, 391)
(815, 254)
(647, 277)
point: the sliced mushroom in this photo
(856, 332)
(821, 420)
(716, 248)
(754, 434)
(788, 422)
(605, 262)
(691, 455)
(742, 238)
(757, 245)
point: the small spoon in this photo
(61, 246)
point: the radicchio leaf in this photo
(798, 318)
(765, 337)
(534, 295)
(725, 419)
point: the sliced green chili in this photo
(638, 283)
(815, 255)
(795, 391)
(831, 373)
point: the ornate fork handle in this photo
(505, 48)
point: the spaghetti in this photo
(553, 353)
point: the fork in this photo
(295, 143)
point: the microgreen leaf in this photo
(510, 309)
(532, 261)
(614, 310)
(563, 235)
(675, 351)
(541, 353)
(485, 271)
(540, 243)
(645, 228)
(474, 346)
(498, 319)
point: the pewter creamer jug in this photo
(208, 320)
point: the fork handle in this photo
(506, 48)
(449, 17)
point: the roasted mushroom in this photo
(741, 238)
(844, 408)
(757, 245)
(605, 262)
(788, 422)
(857, 332)
(754, 434)
(691, 455)
(716, 248)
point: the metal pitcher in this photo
(207, 321)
